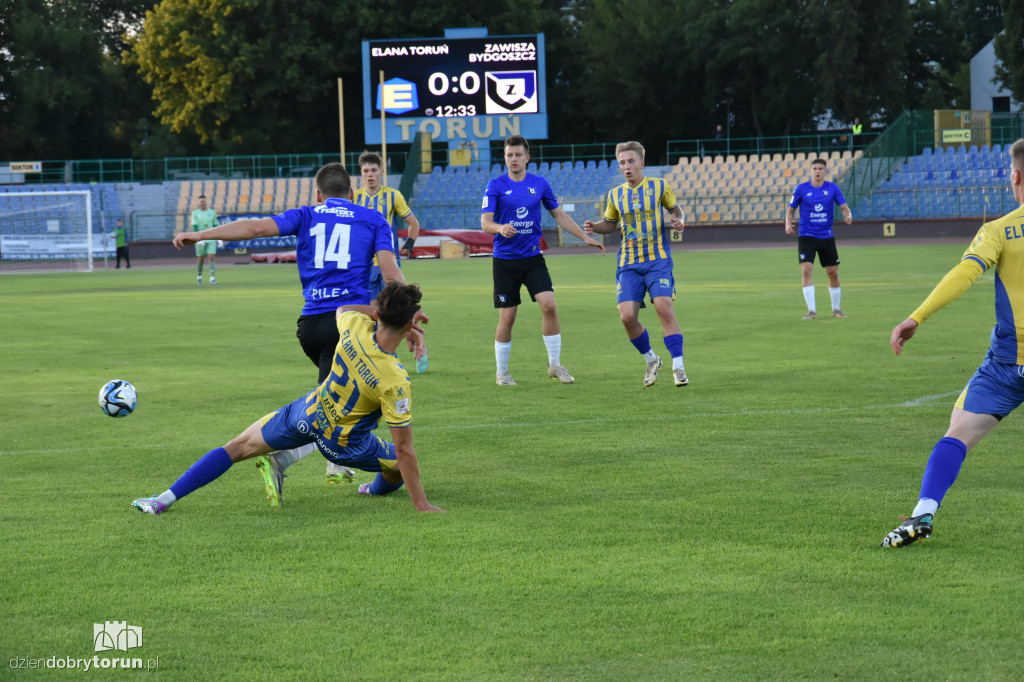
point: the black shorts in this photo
(318, 336)
(510, 274)
(825, 248)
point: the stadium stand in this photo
(943, 183)
(725, 189)
(240, 197)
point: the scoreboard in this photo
(456, 89)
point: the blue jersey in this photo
(336, 244)
(817, 208)
(518, 204)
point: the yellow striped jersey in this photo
(388, 202)
(1000, 243)
(638, 211)
(365, 384)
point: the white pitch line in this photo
(916, 402)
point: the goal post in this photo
(48, 231)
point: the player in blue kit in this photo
(817, 201)
(511, 211)
(997, 387)
(337, 241)
(645, 257)
(366, 382)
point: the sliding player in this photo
(365, 383)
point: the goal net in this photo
(48, 232)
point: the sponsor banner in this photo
(54, 247)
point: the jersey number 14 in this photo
(332, 249)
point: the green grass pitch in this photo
(598, 531)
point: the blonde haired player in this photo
(645, 257)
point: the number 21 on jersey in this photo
(333, 248)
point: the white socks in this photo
(501, 352)
(925, 505)
(554, 346)
(809, 297)
(677, 363)
(553, 343)
(167, 497)
(286, 458)
(834, 295)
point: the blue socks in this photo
(674, 343)
(943, 466)
(642, 343)
(382, 487)
(209, 467)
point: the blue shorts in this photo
(303, 421)
(655, 278)
(376, 283)
(995, 388)
(377, 279)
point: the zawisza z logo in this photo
(512, 92)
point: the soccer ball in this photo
(118, 398)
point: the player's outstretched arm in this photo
(239, 230)
(409, 466)
(599, 226)
(563, 220)
(902, 333)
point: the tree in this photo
(635, 80)
(60, 77)
(1009, 48)
(860, 57)
(755, 50)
